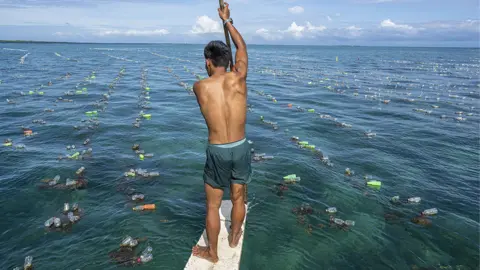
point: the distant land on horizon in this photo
(319, 45)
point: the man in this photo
(223, 102)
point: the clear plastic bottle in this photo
(81, 170)
(70, 182)
(148, 250)
(154, 174)
(57, 222)
(349, 222)
(28, 262)
(87, 141)
(414, 200)
(128, 241)
(144, 258)
(331, 210)
(138, 197)
(54, 181)
(150, 155)
(338, 221)
(49, 222)
(72, 217)
(140, 152)
(267, 157)
(75, 207)
(430, 212)
(66, 207)
(395, 199)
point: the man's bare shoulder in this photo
(199, 85)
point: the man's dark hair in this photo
(217, 52)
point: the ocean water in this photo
(420, 149)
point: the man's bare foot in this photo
(204, 253)
(234, 238)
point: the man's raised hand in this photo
(224, 13)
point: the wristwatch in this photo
(228, 20)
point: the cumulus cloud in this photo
(353, 31)
(296, 10)
(133, 32)
(297, 31)
(205, 25)
(388, 24)
(268, 35)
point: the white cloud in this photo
(388, 24)
(133, 32)
(353, 28)
(268, 35)
(296, 10)
(329, 18)
(308, 29)
(337, 14)
(205, 24)
(295, 30)
(353, 31)
(312, 28)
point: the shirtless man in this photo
(223, 102)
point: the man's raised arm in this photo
(241, 57)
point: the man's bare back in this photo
(223, 102)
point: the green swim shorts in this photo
(227, 164)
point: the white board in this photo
(229, 258)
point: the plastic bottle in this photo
(28, 262)
(128, 241)
(80, 171)
(54, 181)
(70, 182)
(140, 152)
(292, 180)
(49, 222)
(57, 222)
(154, 174)
(87, 141)
(267, 157)
(72, 217)
(146, 258)
(148, 250)
(75, 207)
(395, 199)
(66, 207)
(430, 212)
(349, 222)
(150, 155)
(414, 200)
(331, 210)
(338, 221)
(138, 197)
(144, 207)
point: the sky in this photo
(287, 22)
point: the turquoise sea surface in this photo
(420, 106)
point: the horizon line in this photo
(255, 44)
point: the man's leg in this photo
(237, 192)
(214, 201)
